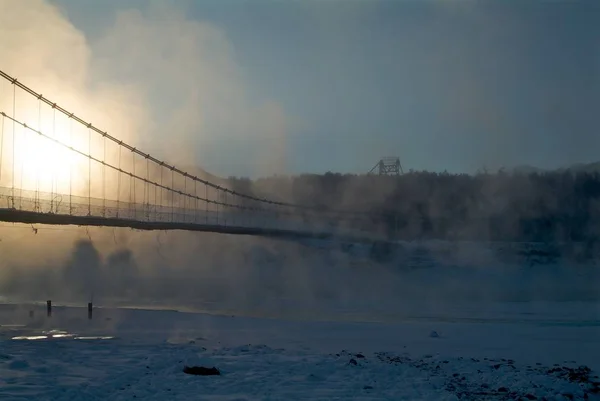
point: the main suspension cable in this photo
(89, 125)
(131, 175)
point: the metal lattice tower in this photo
(388, 166)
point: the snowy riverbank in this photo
(131, 353)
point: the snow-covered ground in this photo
(495, 351)
(283, 320)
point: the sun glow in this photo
(48, 165)
(45, 156)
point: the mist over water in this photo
(153, 78)
(171, 85)
(260, 277)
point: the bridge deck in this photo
(27, 217)
(144, 193)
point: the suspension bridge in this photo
(57, 168)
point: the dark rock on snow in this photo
(201, 371)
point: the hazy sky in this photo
(453, 85)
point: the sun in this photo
(45, 163)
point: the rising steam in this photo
(154, 78)
(171, 86)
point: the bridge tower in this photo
(389, 165)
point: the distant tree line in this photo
(547, 207)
